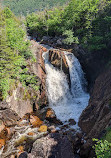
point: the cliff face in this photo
(97, 116)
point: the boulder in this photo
(2, 143)
(59, 42)
(35, 121)
(42, 128)
(2, 126)
(50, 113)
(53, 145)
(23, 155)
(72, 122)
(9, 117)
(19, 101)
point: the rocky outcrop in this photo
(54, 145)
(96, 118)
(8, 116)
(58, 60)
(39, 70)
(19, 101)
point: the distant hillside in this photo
(29, 6)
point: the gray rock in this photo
(59, 42)
(52, 146)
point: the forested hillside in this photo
(26, 6)
(14, 52)
(85, 23)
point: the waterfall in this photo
(67, 103)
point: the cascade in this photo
(67, 103)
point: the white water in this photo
(67, 103)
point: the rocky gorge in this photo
(28, 125)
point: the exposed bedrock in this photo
(58, 60)
(96, 118)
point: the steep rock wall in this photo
(96, 117)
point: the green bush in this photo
(69, 37)
(102, 148)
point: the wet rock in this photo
(35, 121)
(59, 42)
(44, 49)
(50, 113)
(58, 60)
(72, 122)
(51, 117)
(2, 143)
(23, 155)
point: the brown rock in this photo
(12, 156)
(43, 128)
(9, 117)
(52, 129)
(2, 143)
(4, 134)
(2, 126)
(31, 133)
(50, 113)
(44, 49)
(35, 121)
(58, 60)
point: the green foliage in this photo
(29, 80)
(14, 50)
(16, 34)
(107, 135)
(85, 22)
(45, 23)
(102, 148)
(27, 6)
(69, 37)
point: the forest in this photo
(85, 23)
(14, 52)
(23, 7)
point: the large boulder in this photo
(52, 146)
(19, 101)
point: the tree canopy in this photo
(28, 6)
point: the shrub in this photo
(69, 37)
(102, 148)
